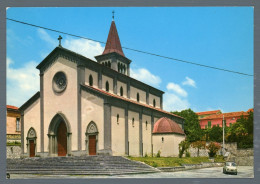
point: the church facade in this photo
(87, 107)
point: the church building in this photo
(87, 107)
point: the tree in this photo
(199, 145)
(183, 146)
(215, 134)
(242, 132)
(191, 125)
(213, 148)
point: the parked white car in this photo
(230, 167)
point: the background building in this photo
(13, 126)
(216, 118)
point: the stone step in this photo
(85, 165)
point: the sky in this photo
(216, 36)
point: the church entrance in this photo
(62, 139)
(31, 142)
(92, 145)
(92, 138)
(59, 136)
(32, 148)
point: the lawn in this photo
(173, 161)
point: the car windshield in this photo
(230, 164)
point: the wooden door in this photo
(62, 139)
(32, 148)
(92, 145)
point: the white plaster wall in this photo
(157, 100)
(169, 147)
(110, 81)
(118, 131)
(147, 137)
(65, 102)
(92, 108)
(32, 119)
(94, 74)
(119, 84)
(133, 94)
(133, 133)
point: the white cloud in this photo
(22, 82)
(189, 82)
(46, 37)
(145, 76)
(177, 89)
(171, 102)
(84, 47)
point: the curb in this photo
(191, 166)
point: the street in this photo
(214, 172)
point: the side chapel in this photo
(87, 107)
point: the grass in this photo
(16, 143)
(173, 161)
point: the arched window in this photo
(146, 125)
(124, 69)
(117, 118)
(137, 97)
(133, 122)
(90, 80)
(154, 102)
(121, 91)
(109, 64)
(162, 139)
(107, 86)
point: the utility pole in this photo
(223, 126)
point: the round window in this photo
(59, 82)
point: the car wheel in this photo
(224, 171)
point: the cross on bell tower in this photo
(59, 40)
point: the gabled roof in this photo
(226, 115)
(58, 51)
(129, 100)
(11, 107)
(208, 112)
(166, 125)
(113, 42)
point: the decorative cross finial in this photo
(113, 12)
(59, 40)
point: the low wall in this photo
(13, 151)
(243, 157)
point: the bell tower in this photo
(113, 55)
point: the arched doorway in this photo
(92, 138)
(31, 142)
(62, 139)
(59, 136)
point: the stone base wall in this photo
(13, 151)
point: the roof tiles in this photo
(113, 42)
(165, 125)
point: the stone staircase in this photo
(84, 165)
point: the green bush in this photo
(187, 154)
(158, 154)
(145, 155)
(154, 164)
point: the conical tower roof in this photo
(113, 43)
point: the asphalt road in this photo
(213, 172)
